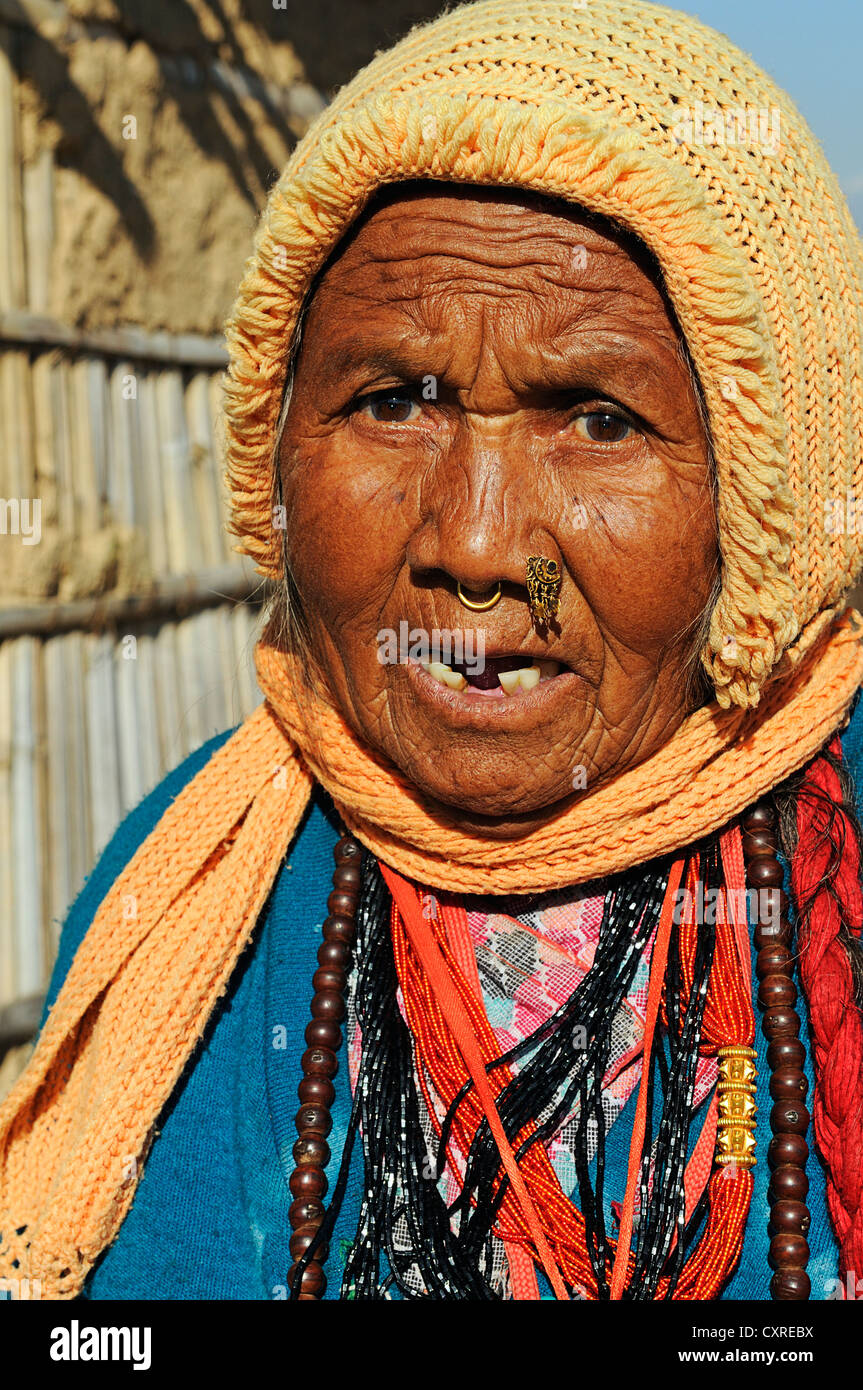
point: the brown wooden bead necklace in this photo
(777, 995)
(789, 1118)
(308, 1182)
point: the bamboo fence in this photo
(106, 688)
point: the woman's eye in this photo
(391, 407)
(603, 427)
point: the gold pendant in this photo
(735, 1133)
(543, 588)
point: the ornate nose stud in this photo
(479, 605)
(543, 587)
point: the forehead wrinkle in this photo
(560, 324)
(430, 272)
(568, 353)
(423, 335)
(420, 279)
(456, 222)
(505, 220)
(446, 236)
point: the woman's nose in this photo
(476, 524)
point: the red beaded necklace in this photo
(719, 1248)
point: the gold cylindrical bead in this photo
(735, 1136)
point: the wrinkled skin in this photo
(392, 498)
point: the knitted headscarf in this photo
(634, 112)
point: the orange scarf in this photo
(75, 1130)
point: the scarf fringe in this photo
(75, 1130)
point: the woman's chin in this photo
(504, 816)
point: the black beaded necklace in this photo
(788, 1150)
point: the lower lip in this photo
(471, 703)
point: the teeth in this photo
(525, 679)
(444, 675)
(510, 680)
(529, 677)
(455, 680)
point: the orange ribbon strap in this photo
(522, 1270)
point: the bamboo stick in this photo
(151, 763)
(7, 855)
(229, 666)
(95, 383)
(191, 682)
(212, 700)
(127, 676)
(9, 460)
(62, 444)
(169, 597)
(237, 622)
(215, 392)
(168, 696)
(153, 510)
(37, 189)
(25, 426)
(18, 465)
(86, 460)
(102, 741)
(59, 733)
(184, 548)
(245, 625)
(18, 325)
(79, 809)
(123, 476)
(215, 719)
(42, 372)
(40, 728)
(204, 468)
(26, 829)
(222, 666)
(12, 273)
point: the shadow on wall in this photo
(46, 69)
(83, 146)
(332, 39)
(335, 38)
(180, 27)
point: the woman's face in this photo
(482, 379)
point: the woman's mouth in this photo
(502, 677)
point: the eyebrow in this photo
(386, 358)
(637, 371)
(613, 364)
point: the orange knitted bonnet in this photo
(645, 116)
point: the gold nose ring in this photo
(478, 606)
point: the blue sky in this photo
(814, 49)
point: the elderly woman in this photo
(543, 412)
